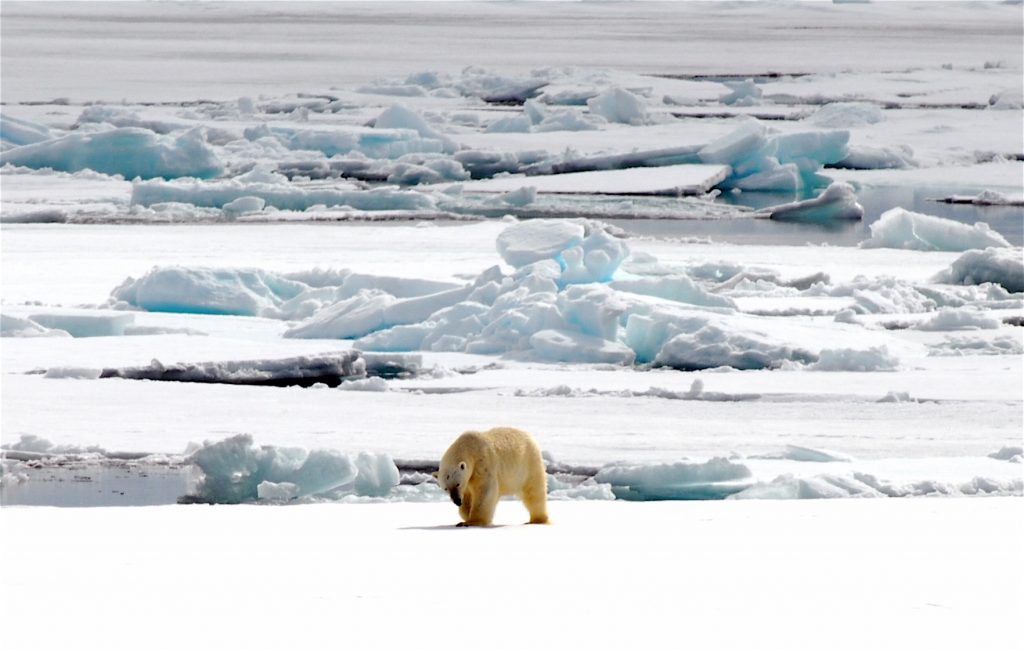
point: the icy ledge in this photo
(237, 470)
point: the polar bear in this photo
(481, 467)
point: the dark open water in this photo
(1007, 220)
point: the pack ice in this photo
(563, 298)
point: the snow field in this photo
(936, 580)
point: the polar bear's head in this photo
(452, 478)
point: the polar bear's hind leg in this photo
(535, 498)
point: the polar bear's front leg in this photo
(482, 510)
(466, 508)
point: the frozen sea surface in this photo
(301, 301)
(927, 575)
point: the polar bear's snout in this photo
(456, 498)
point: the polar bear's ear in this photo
(434, 474)
(462, 466)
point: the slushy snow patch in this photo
(130, 152)
(899, 228)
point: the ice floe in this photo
(84, 324)
(130, 152)
(274, 190)
(619, 105)
(257, 292)
(902, 229)
(837, 202)
(764, 161)
(844, 115)
(11, 326)
(1003, 266)
(331, 369)
(714, 479)
(235, 470)
(667, 180)
(15, 132)
(958, 319)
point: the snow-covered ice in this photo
(899, 564)
(731, 278)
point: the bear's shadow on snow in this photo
(454, 527)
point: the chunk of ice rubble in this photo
(1008, 453)
(714, 479)
(11, 326)
(619, 105)
(276, 191)
(561, 302)
(843, 115)
(763, 161)
(865, 485)
(899, 228)
(958, 319)
(1004, 266)
(872, 359)
(304, 370)
(821, 486)
(866, 157)
(567, 346)
(837, 202)
(257, 292)
(685, 179)
(235, 470)
(15, 132)
(375, 143)
(583, 249)
(803, 454)
(83, 323)
(742, 93)
(529, 242)
(536, 117)
(398, 116)
(130, 152)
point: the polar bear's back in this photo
(513, 454)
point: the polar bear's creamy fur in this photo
(481, 467)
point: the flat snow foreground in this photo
(726, 575)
